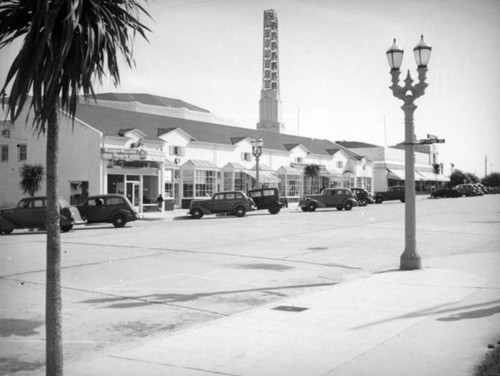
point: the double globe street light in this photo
(410, 260)
(257, 152)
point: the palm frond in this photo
(68, 46)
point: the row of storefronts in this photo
(110, 149)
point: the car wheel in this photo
(6, 232)
(274, 208)
(403, 201)
(339, 208)
(66, 228)
(311, 207)
(197, 213)
(304, 209)
(379, 200)
(348, 205)
(240, 211)
(119, 220)
(363, 202)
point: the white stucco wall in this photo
(79, 152)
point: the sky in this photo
(334, 75)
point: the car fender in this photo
(354, 202)
(318, 204)
(126, 213)
(6, 225)
(203, 208)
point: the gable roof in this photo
(110, 121)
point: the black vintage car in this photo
(268, 198)
(364, 198)
(231, 202)
(112, 208)
(31, 212)
(445, 192)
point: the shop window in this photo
(239, 181)
(116, 184)
(79, 191)
(204, 183)
(293, 183)
(228, 181)
(169, 183)
(4, 157)
(23, 152)
(149, 189)
(188, 183)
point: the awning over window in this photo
(328, 173)
(395, 174)
(429, 176)
(264, 176)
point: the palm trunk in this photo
(53, 303)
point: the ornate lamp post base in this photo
(409, 262)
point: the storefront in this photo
(136, 174)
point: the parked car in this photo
(340, 198)
(481, 188)
(393, 193)
(31, 212)
(231, 202)
(364, 198)
(111, 208)
(468, 190)
(445, 192)
(268, 198)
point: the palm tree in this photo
(31, 178)
(312, 171)
(68, 44)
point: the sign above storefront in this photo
(141, 154)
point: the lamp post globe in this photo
(395, 56)
(422, 52)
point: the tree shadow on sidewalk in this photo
(477, 314)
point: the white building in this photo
(389, 165)
(142, 146)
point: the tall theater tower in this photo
(270, 103)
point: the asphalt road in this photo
(123, 286)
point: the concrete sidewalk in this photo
(434, 321)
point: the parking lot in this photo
(169, 272)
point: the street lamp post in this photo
(257, 152)
(410, 259)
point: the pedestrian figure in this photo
(159, 201)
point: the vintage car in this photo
(231, 202)
(31, 212)
(445, 192)
(364, 198)
(111, 208)
(468, 190)
(268, 198)
(393, 193)
(340, 198)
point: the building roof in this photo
(111, 122)
(153, 100)
(356, 144)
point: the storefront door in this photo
(133, 193)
